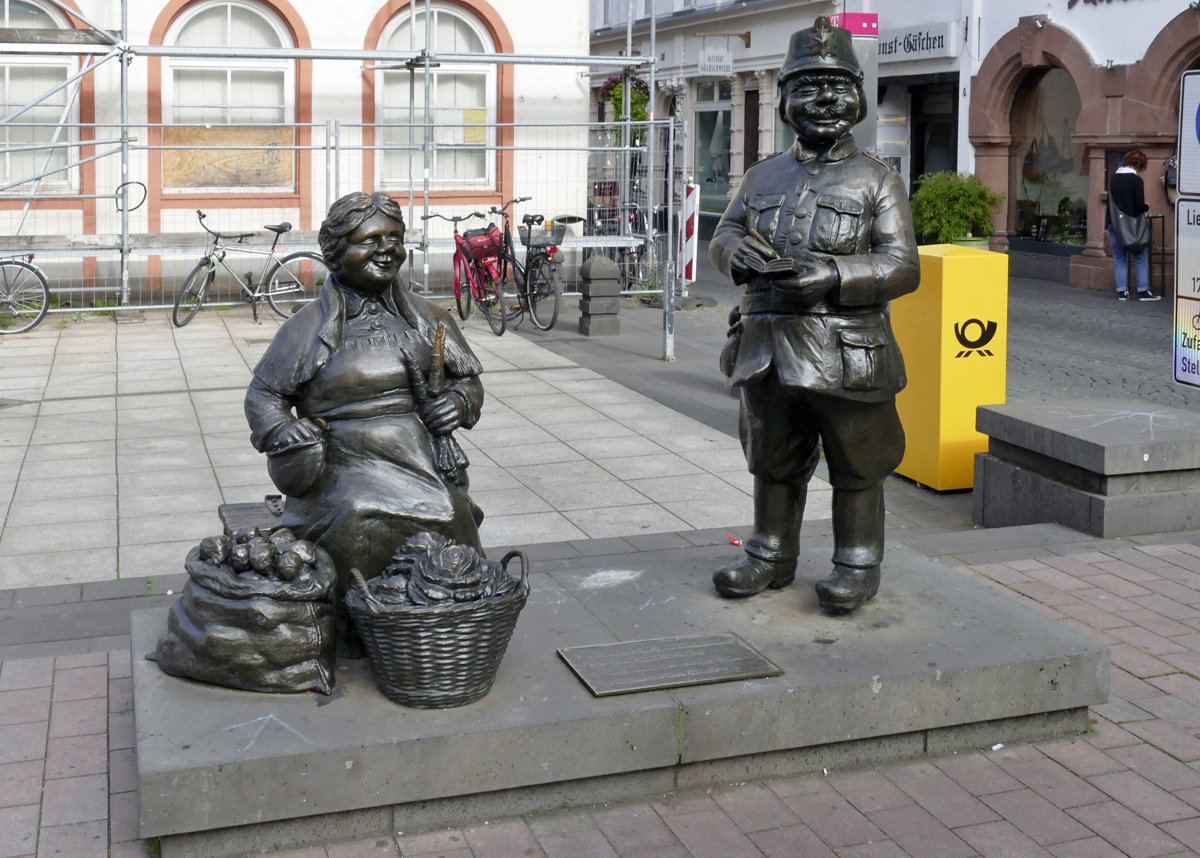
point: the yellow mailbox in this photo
(954, 334)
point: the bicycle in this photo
(24, 294)
(536, 281)
(286, 286)
(477, 263)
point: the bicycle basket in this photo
(482, 243)
(538, 237)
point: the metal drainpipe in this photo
(427, 139)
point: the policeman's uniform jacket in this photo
(841, 207)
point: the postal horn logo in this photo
(962, 332)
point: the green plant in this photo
(613, 91)
(951, 205)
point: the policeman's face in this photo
(373, 254)
(821, 108)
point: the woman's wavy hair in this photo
(347, 215)
(1135, 158)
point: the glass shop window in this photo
(713, 114)
(1052, 179)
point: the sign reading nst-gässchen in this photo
(919, 43)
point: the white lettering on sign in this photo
(919, 43)
(1186, 333)
(716, 63)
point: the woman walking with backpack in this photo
(1130, 235)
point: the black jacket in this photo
(1128, 192)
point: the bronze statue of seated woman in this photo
(355, 400)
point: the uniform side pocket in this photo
(863, 359)
(763, 213)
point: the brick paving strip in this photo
(1130, 787)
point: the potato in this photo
(288, 566)
(245, 534)
(262, 557)
(306, 550)
(257, 540)
(284, 534)
(215, 549)
(239, 558)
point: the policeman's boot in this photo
(770, 559)
(858, 521)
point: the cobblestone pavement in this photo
(1129, 787)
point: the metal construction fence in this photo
(581, 175)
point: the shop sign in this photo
(924, 42)
(716, 62)
(1189, 135)
(1187, 292)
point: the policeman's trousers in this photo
(863, 442)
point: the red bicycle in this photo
(477, 271)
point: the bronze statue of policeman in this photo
(820, 238)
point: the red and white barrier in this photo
(689, 233)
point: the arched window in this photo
(254, 99)
(24, 79)
(462, 101)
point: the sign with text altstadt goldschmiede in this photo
(1187, 237)
(716, 62)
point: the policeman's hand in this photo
(296, 434)
(751, 255)
(444, 414)
(814, 284)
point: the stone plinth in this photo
(1108, 467)
(601, 289)
(935, 662)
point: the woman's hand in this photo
(443, 414)
(296, 434)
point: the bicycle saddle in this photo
(279, 228)
(531, 220)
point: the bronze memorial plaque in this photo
(651, 665)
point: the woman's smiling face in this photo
(373, 255)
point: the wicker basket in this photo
(437, 656)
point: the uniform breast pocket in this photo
(835, 225)
(763, 213)
(864, 364)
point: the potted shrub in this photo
(953, 208)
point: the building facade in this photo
(183, 110)
(1038, 98)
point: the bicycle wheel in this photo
(24, 296)
(191, 297)
(542, 293)
(295, 281)
(515, 301)
(491, 302)
(462, 288)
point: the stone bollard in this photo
(601, 293)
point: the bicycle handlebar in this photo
(454, 220)
(239, 237)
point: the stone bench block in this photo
(600, 326)
(1107, 467)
